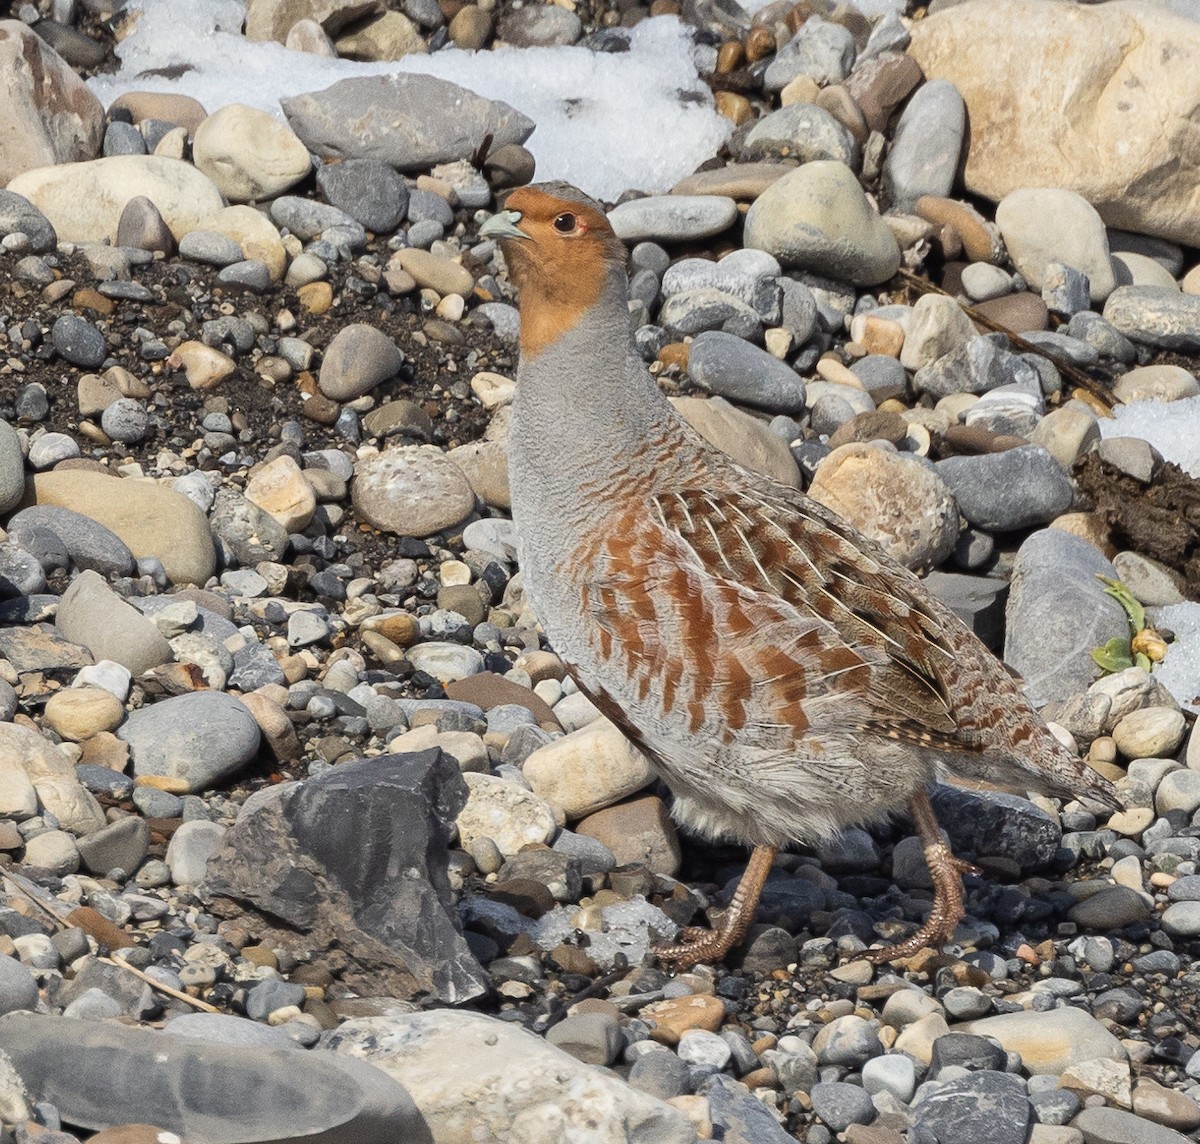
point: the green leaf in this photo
(1114, 656)
(1142, 660)
(1119, 592)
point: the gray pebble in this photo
(78, 341)
(839, 1105)
(210, 247)
(125, 420)
(368, 190)
(1010, 490)
(737, 370)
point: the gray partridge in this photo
(787, 678)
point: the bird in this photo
(786, 678)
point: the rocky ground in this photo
(304, 826)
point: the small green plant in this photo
(1143, 647)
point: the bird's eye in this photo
(564, 223)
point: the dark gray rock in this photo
(660, 1074)
(122, 138)
(274, 993)
(88, 543)
(741, 372)
(739, 1117)
(966, 1051)
(368, 190)
(1011, 490)
(357, 858)
(989, 1106)
(993, 824)
(119, 845)
(250, 274)
(594, 1038)
(1057, 613)
(410, 122)
(78, 341)
(839, 1105)
(977, 600)
(223, 1094)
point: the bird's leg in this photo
(946, 872)
(697, 944)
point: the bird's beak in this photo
(503, 224)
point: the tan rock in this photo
(171, 107)
(1103, 1077)
(587, 770)
(493, 389)
(50, 772)
(981, 242)
(390, 36)
(204, 366)
(254, 232)
(1050, 1042)
(277, 730)
(679, 1015)
(434, 271)
(273, 19)
(47, 114)
(1156, 383)
(485, 465)
(1163, 1105)
(741, 181)
(78, 713)
(84, 201)
(637, 831)
(249, 154)
(896, 501)
(1067, 433)
(744, 438)
(152, 519)
(279, 488)
(1087, 78)
(917, 1038)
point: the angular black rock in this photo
(357, 858)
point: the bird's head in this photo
(562, 256)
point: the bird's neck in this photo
(585, 406)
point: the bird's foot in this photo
(944, 915)
(697, 944)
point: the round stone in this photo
(249, 154)
(357, 360)
(895, 500)
(673, 218)
(1150, 733)
(78, 713)
(412, 490)
(125, 421)
(78, 341)
(197, 738)
(1041, 225)
(818, 218)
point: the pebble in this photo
(248, 153)
(924, 156)
(741, 372)
(1006, 491)
(198, 738)
(1155, 316)
(817, 218)
(672, 218)
(412, 490)
(1043, 225)
(587, 770)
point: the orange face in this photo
(561, 264)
